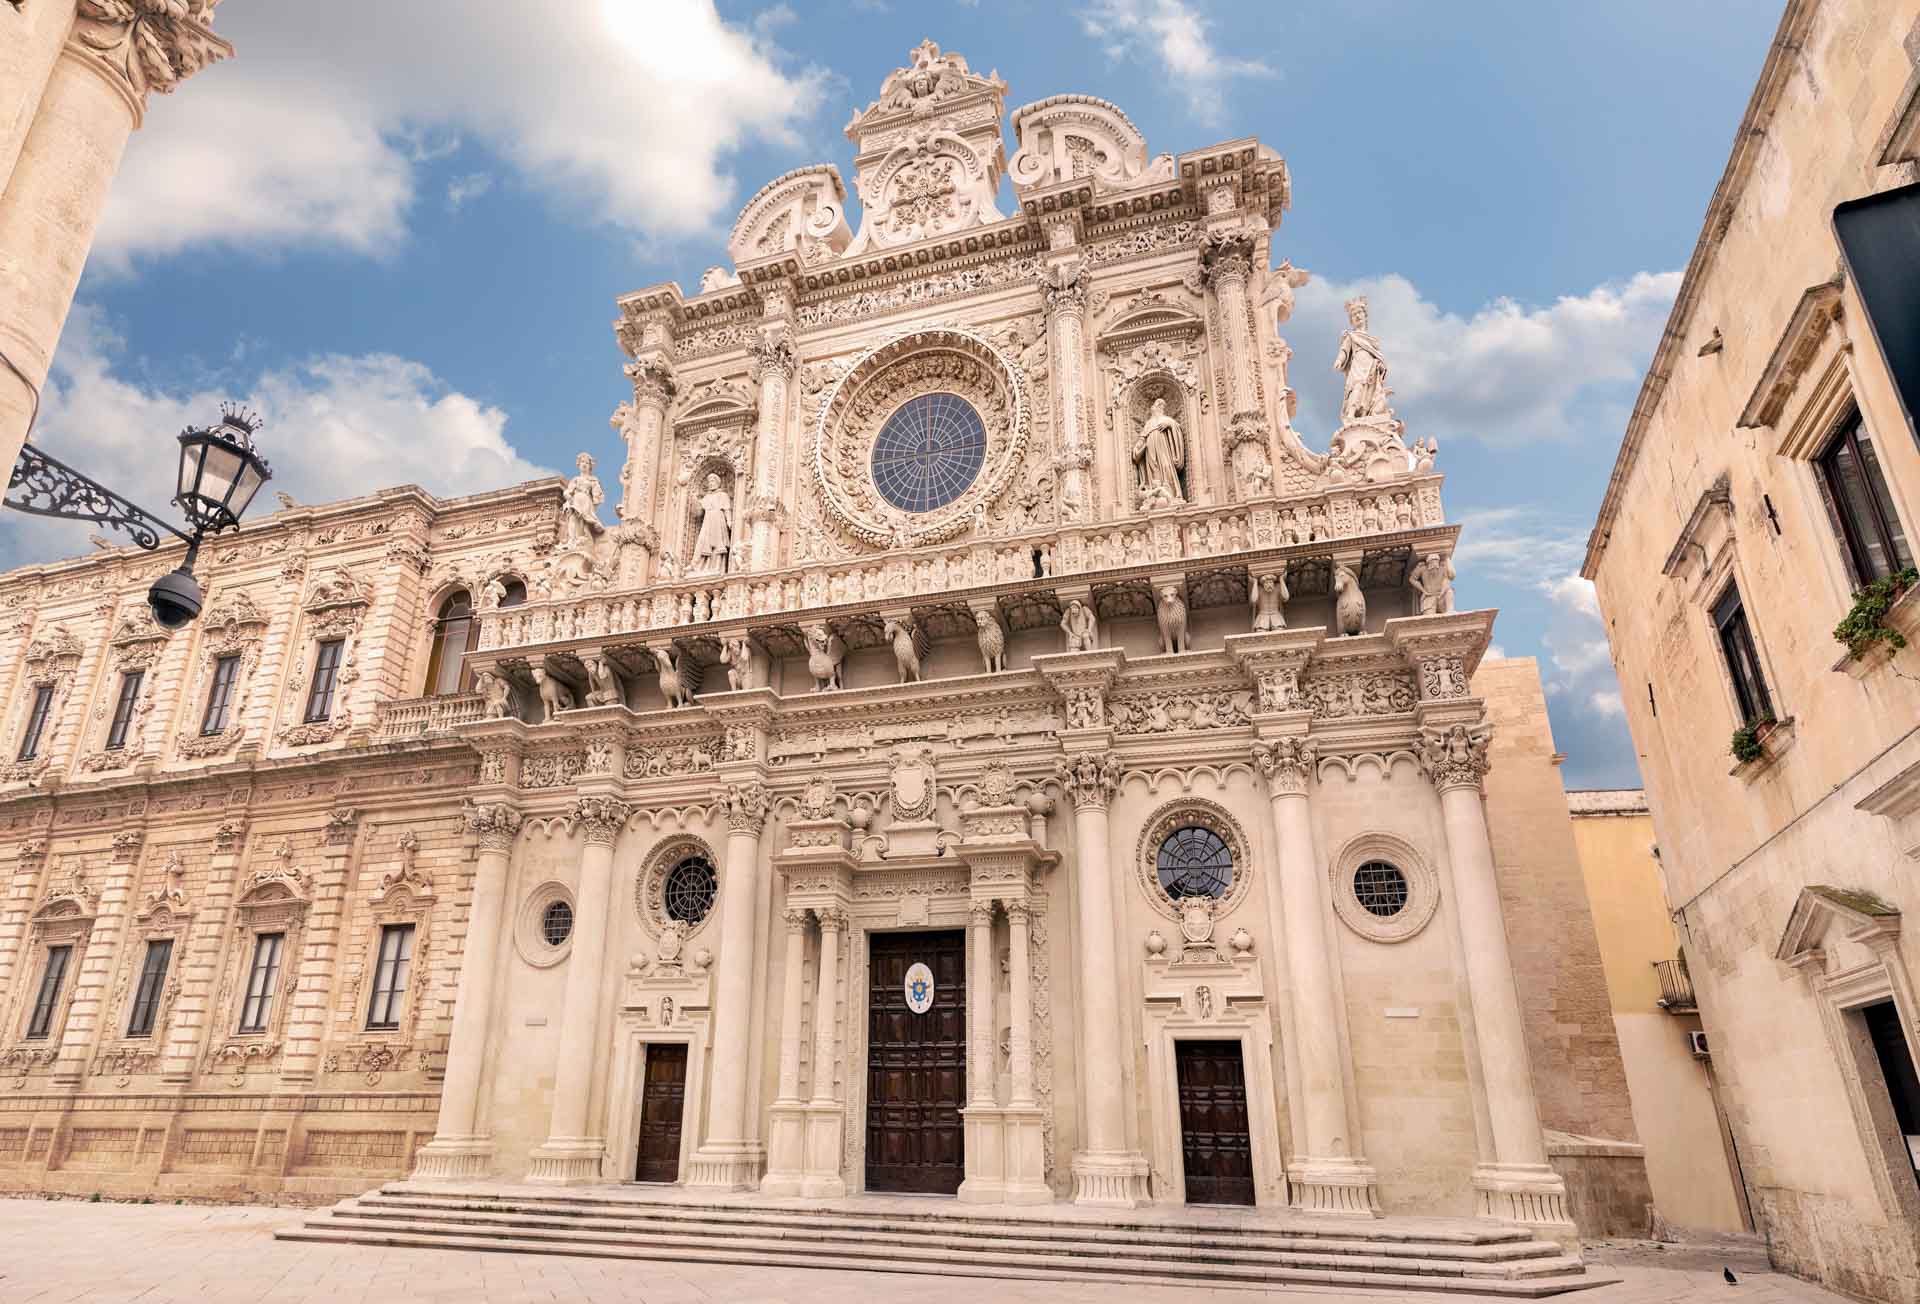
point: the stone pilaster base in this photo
(1342, 1187)
(786, 1149)
(985, 1151)
(726, 1166)
(824, 1135)
(1024, 1132)
(1532, 1195)
(454, 1159)
(567, 1161)
(1115, 1179)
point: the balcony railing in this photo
(1676, 987)
(398, 719)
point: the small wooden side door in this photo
(662, 1102)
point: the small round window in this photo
(1194, 862)
(1380, 888)
(689, 890)
(556, 923)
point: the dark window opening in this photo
(123, 708)
(390, 976)
(1856, 489)
(36, 722)
(326, 673)
(146, 997)
(220, 697)
(446, 665)
(48, 998)
(1743, 659)
(261, 981)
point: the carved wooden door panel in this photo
(1216, 1151)
(916, 1065)
(662, 1103)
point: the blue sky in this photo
(399, 229)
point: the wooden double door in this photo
(663, 1105)
(916, 1065)
(1215, 1149)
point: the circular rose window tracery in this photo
(873, 498)
(1193, 847)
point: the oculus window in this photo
(929, 452)
(1194, 862)
(690, 890)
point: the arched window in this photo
(516, 592)
(452, 629)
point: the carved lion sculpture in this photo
(673, 684)
(993, 641)
(555, 696)
(906, 654)
(1349, 603)
(1172, 610)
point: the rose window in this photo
(1380, 888)
(929, 452)
(689, 890)
(1194, 862)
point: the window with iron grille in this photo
(123, 708)
(220, 696)
(556, 923)
(1856, 490)
(261, 981)
(326, 672)
(153, 977)
(390, 976)
(690, 890)
(36, 722)
(1380, 888)
(1743, 659)
(1194, 862)
(48, 998)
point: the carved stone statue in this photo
(1360, 358)
(673, 684)
(555, 696)
(1424, 453)
(715, 542)
(906, 652)
(496, 694)
(993, 641)
(1081, 628)
(1160, 458)
(496, 592)
(1268, 593)
(579, 507)
(1171, 608)
(1432, 579)
(826, 652)
(1349, 603)
(736, 654)
(603, 685)
(1282, 281)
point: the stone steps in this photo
(948, 1240)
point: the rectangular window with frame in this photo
(1743, 658)
(390, 976)
(153, 977)
(48, 998)
(326, 671)
(36, 722)
(123, 706)
(220, 696)
(1856, 491)
(261, 981)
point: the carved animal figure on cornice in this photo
(555, 696)
(1082, 628)
(993, 641)
(1349, 603)
(906, 654)
(497, 693)
(603, 686)
(826, 651)
(1432, 579)
(1268, 593)
(673, 684)
(1171, 609)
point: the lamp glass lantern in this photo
(219, 471)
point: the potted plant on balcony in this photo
(1748, 740)
(1865, 626)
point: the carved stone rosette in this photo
(1090, 779)
(1287, 764)
(600, 819)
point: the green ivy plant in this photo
(1746, 741)
(1866, 624)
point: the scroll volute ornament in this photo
(1287, 764)
(600, 819)
(152, 45)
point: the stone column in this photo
(574, 1146)
(1066, 295)
(823, 1111)
(462, 1147)
(985, 1144)
(319, 959)
(85, 1008)
(728, 1158)
(94, 96)
(1518, 1185)
(34, 37)
(641, 424)
(200, 959)
(786, 1142)
(1227, 263)
(1020, 996)
(1105, 1171)
(773, 362)
(1325, 1173)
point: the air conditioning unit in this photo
(1697, 1043)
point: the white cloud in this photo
(470, 186)
(314, 134)
(1508, 374)
(1495, 652)
(1173, 34)
(337, 427)
(1607, 703)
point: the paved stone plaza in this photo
(53, 1251)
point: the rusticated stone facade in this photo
(970, 590)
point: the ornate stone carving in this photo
(1349, 603)
(1071, 137)
(912, 776)
(1171, 611)
(1456, 756)
(992, 639)
(149, 45)
(816, 799)
(1287, 764)
(1432, 579)
(747, 805)
(603, 684)
(1190, 813)
(1089, 778)
(1265, 595)
(1355, 693)
(1081, 626)
(1443, 678)
(600, 819)
(342, 822)
(825, 653)
(803, 210)
(903, 635)
(1171, 712)
(555, 696)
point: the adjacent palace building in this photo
(990, 753)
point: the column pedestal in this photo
(985, 1154)
(825, 1116)
(826, 1134)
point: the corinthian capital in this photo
(772, 354)
(341, 823)
(601, 818)
(653, 383)
(1091, 778)
(1287, 763)
(747, 805)
(496, 823)
(1227, 256)
(148, 45)
(1456, 756)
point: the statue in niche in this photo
(1349, 603)
(1081, 628)
(1365, 399)
(496, 693)
(603, 686)
(1160, 458)
(736, 654)
(580, 523)
(1282, 281)
(1432, 579)
(714, 545)
(1269, 591)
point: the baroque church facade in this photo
(990, 753)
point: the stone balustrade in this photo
(397, 719)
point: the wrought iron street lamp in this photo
(220, 472)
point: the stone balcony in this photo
(398, 719)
